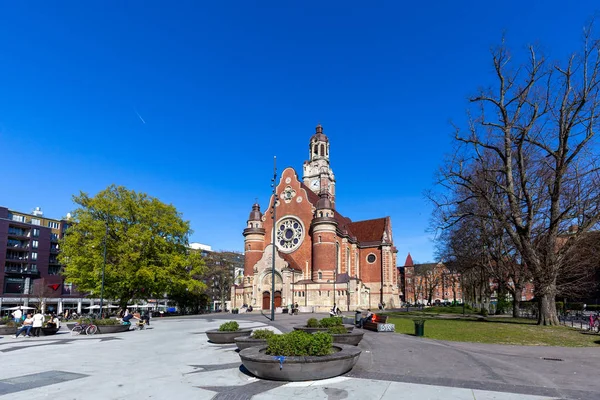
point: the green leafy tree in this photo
(146, 247)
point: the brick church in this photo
(322, 257)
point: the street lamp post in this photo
(274, 216)
(103, 268)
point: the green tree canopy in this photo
(146, 247)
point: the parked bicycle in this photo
(85, 328)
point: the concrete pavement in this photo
(174, 358)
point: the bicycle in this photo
(87, 329)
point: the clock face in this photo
(315, 183)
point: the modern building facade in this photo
(31, 273)
(321, 256)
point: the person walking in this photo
(38, 322)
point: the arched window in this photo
(348, 259)
(322, 149)
(319, 238)
(320, 275)
(356, 260)
(316, 149)
(337, 257)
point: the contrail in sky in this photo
(140, 117)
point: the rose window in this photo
(290, 233)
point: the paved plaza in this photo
(173, 359)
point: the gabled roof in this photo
(370, 230)
(367, 231)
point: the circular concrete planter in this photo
(243, 342)
(49, 331)
(306, 368)
(349, 327)
(8, 330)
(113, 328)
(350, 338)
(222, 337)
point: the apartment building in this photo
(31, 273)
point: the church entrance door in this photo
(266, 304)
(277, 299)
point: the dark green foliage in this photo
(262, 334)
(503, 306)
(331, 321)
(574, 306)
(593, 307)
(312, 323)
(107, 321)
(337, 329)
(483, 311)
(299, 343)
(230, 326)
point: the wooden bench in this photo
(379, 324)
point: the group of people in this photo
(32, 323)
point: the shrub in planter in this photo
(331, 321)
(312, 323)
(262, 334)
(337, 330)
(106, 321)
(230, 326)
(299, 343)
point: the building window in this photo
(320, 275)
(53, 225)
(54, 270)
(35, 221)
(34, 244)
(18, 218)
(34, 255)
(36, 232)
(371, 258)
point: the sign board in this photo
(386, 327)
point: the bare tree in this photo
(528, 156)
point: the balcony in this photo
(53, 250)
(18, 233)
(20, 258)
(21, 270)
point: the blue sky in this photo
(188, 101)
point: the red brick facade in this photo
(322, 257)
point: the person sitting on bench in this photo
(367, 318)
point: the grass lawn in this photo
(497, 331)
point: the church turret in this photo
(318, 175)
(325, 248)
(254, 238)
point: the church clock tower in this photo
(318, 175)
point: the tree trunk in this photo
(517, 301)
(547, 309)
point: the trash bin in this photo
(357, 317)
(419, 327)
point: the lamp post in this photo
(274, 217)
(103, 268)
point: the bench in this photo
(379, 324)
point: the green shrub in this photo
(106, 321)
(331, 321)
(300, 343)
(262, 334)
(230, 326)
(483, 312)
(312, 323)
(574, 306)
(337, 329)
(593, 307)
